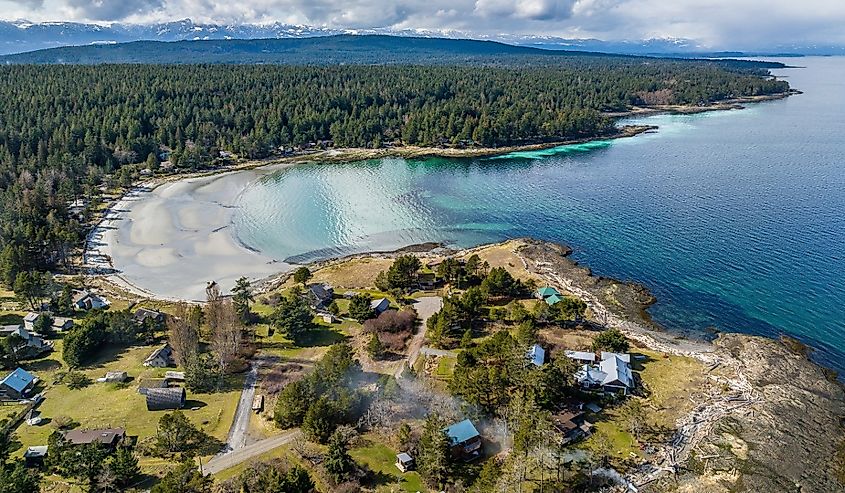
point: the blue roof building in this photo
(17, 384)
(536, 355)
(465, 440)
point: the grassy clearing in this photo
(670, 381)
(502, 255)
(120, 405)
(352, 273)
(445, 367)
(381, 460)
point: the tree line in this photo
(67, 130)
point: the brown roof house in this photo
(110, 437)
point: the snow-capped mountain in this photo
(21, 35)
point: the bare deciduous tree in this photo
(183, 333)
(226, 335)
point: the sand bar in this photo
(168, 241)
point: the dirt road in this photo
(426, 307)
(243, 454)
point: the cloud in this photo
(107, 10)
(721, 24)
(540, 10)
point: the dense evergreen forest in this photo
(66, 129)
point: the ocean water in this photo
(735, 220)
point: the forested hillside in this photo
(323, 50)
(64, 128)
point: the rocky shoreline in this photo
(769, 419)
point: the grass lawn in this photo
(381, 459)
(353, 273)
(670, 381)
(445, 367)
(120, 405)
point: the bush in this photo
(62, 422)
(392, 321)
(76, 380)
(393, 328)
(611, 340)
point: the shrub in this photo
(392, 321)
(76, 380)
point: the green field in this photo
(120, 405)
(381, 460)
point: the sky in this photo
(723, 24)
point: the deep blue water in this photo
(734, 220)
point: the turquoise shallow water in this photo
(733, 219)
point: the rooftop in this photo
(106, 436)
(18, 380)
(616, 369)
(622, 356)
(461, 432)
(547, 291)
(581, 355)
(537, 355)
(553, 299)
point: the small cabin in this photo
(380, 305)
(17, 385)
(34, 456)
(404, 462)
(161, 357)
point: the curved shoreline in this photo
(209, 253)
(168, 253)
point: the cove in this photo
(733, 219)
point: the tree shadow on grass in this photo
(11, 319)
(374, 479)
(192, 404)
(107, 354)
(42, 365)
(321, 336)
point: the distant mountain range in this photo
(21, 36)
(372, 49)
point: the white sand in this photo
(169, 242)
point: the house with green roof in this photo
(553, 299)
(547, 291)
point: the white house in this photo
(612, 373)
(62, 324)
(583, 357)
(29, 321)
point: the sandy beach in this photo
(168, 241)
